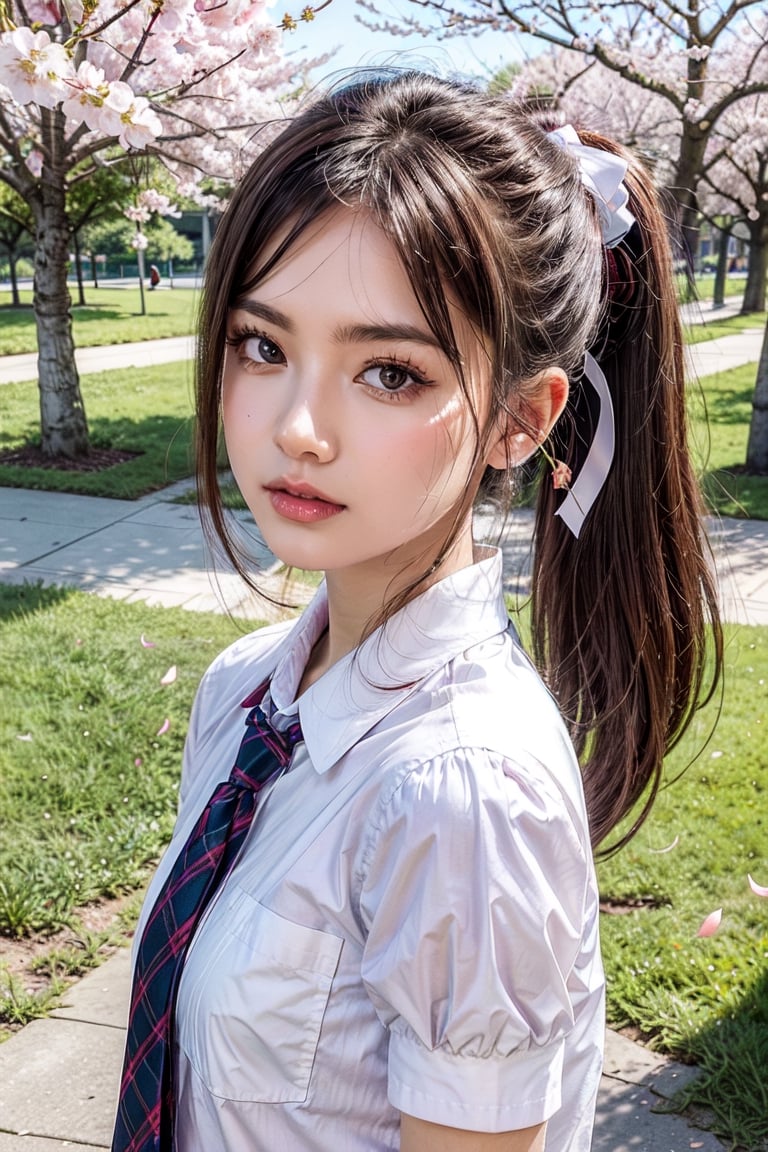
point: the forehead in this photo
(342, 251)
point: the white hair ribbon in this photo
(585, 489)
(602, 174)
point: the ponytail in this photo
(621, 614)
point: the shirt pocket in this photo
(251, 1002)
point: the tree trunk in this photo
(15, 297)
(140, 259)
(757, 446)
(94, 270)
(757, 268)
(63, 426)
(690, 161)
(79, 270)
(721, 271)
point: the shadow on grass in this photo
(730, 491)
(730, 406)
(26, 599)
(163, 441)
(732, 1056)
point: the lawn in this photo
(111, 316)
(721, 408)
(705, 286)
(703, 999)
(144, 410)
(90, 750)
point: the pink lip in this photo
(299, 501)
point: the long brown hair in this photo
(472, 193)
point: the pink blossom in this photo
(86, 93)
(43, 11)
(141, 125)
(128, 116)
(153, 201)
(137, 213)
(33, 67)
(711, 923)
(139, 242)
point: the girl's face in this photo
(347, 429)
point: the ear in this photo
(548, 398)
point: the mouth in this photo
(298, 501)
(300, 491)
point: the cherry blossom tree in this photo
(592, 96)
(737, 174)
(700, 56)
(189, 81)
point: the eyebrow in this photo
(346, 333)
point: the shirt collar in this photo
(358, 691)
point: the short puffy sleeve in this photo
(475, 882)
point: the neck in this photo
(356, 601)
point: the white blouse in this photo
(412, 923)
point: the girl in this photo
(392, 942)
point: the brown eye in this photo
(264, 350)
(392, 377)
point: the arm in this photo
(421, 1136)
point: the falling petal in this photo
(164, 727)
(146, 643)
(138, 762)
(27, 737)
(711, 924)
(669, 847)
(757, 888)
(170, 675)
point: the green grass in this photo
(111, 316)
(88, 785)
(705, 286)
(729, 326)
(145, 410)
(704, 1000)
(721, 410)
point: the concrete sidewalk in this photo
(153, 550)
(102, 359)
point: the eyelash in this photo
(418, 380)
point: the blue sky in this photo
(336, 27)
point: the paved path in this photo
(153, 550)
(24, 366)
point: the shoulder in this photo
(217, 715)
(246, 662)
(486, 720)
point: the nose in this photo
(302, 431)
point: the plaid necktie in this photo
(145, 1112)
